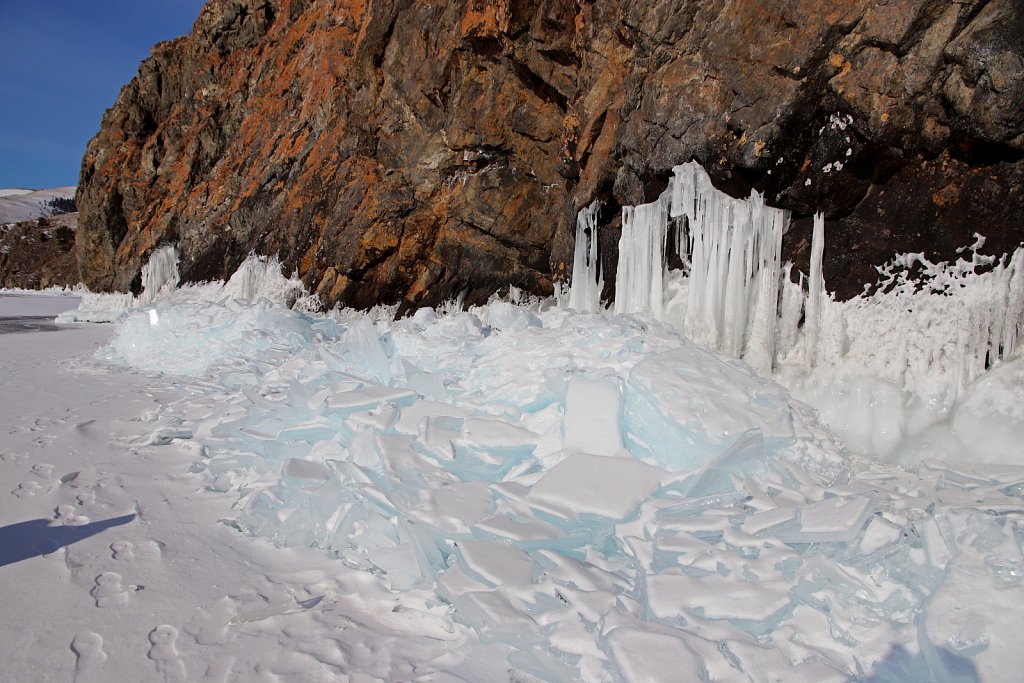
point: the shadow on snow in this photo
(36, 537)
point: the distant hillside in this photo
(39, 253)
(18, 205)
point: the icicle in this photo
(789, 313)
(815, 292)
(159, 274)
(587, 275)
(639, 279)
(735, 261)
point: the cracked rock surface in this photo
(393, 150)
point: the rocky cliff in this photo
(402, 150)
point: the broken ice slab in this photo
(165, 432)
(834, 520)
(310, 432)
(711, 524)
(380, 418)
(646, 654)
(412, 415)
(495, 433)
(366, 398)
(754, 606)
(497, 564)
(879, 533)
(304, 472)
(527, 533)
(490, 612)
(689, 507)
(593, 405)
(434, 438)
(425, 383)
(685, 406)
(976, 475)
(406, 465)
(768, 519)
(453, 509)
(585, 484)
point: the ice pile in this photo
(258, 278)
(596, 493)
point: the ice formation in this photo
(258, 278)
(948, 324)
(587, 276)
(604, 499)
(598, 495)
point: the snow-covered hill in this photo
(18, 205)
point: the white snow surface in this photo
(516, 492)
(18, 205)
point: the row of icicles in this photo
(740, 299)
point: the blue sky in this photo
(62, 63)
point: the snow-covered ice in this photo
(223, 487)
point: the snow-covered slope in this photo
(18, 205)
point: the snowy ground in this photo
(235, 491)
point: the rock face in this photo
(395, 150)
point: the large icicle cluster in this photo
(952, 321)
(735, 248)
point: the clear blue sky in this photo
(62, 63)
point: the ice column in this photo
(639, 279)
(815, 293)
(160, 273)
(587, 277)
(735, 251)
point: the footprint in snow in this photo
(27, 488)
(66, 515)
(89, 655)
(122, 550)
(218, 669)
(164, 653)
(42, 470)
(109, 591)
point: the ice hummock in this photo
(588, 491)
(258, 278)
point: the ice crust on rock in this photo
(589, 492)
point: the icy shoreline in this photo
(588, 491)
(596, 497)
